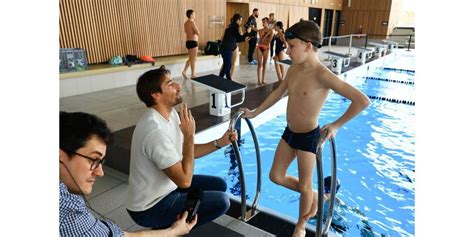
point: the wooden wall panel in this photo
(106, 28)
(366, 13)
(242, 9)
(142, 27)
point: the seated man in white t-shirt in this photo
(162, 158)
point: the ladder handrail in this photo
(243, 194)
(319, 228)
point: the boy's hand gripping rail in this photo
(244, 215)
(319, 164)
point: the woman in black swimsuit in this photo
(280, 46)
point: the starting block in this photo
(391, 45)
(363, 54)
(220, 93)
(380, 49)
(338, 61)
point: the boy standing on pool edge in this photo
(307, 82)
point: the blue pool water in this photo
(376, 161)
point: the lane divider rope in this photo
(398, 69)
(390, 80)
(407, 102)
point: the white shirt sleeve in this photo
(160, 149)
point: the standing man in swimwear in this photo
(192, 35)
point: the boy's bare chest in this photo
(304, 87)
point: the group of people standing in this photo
(269, 41)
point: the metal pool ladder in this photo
(247, 215)
(319, 168)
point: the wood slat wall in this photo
(142, 27)
(366, 13)
(287, 11)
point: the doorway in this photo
(337, 20)
(242, 9)
(327, 29)
(314, 14)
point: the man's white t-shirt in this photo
(156, 145)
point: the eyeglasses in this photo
(292, 35)
(95, 162)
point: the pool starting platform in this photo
(338, 61)
(380, 49)
(391, 45)
(363, 54)
(220, 93)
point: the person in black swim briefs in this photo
(192, 35)
(191, 44)
(302, 141)
(307, 83)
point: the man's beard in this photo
(178, 101)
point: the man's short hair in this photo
(255, 9)
(189, 13)
(75, 129)
(308, 30)
(149, 83)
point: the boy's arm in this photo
(270, 100)
(195, 29)
(359, 101)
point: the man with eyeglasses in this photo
(83, 140)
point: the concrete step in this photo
(229, 227)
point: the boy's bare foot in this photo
(299, 231)
(184, 75)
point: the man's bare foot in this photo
(299, 231)
(184, 75)
(193, 76)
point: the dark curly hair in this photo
(149, 83)
(75, 129)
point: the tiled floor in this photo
(121, 108)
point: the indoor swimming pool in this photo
(375, 151)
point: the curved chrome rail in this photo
(319, 166)
(244, 215)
